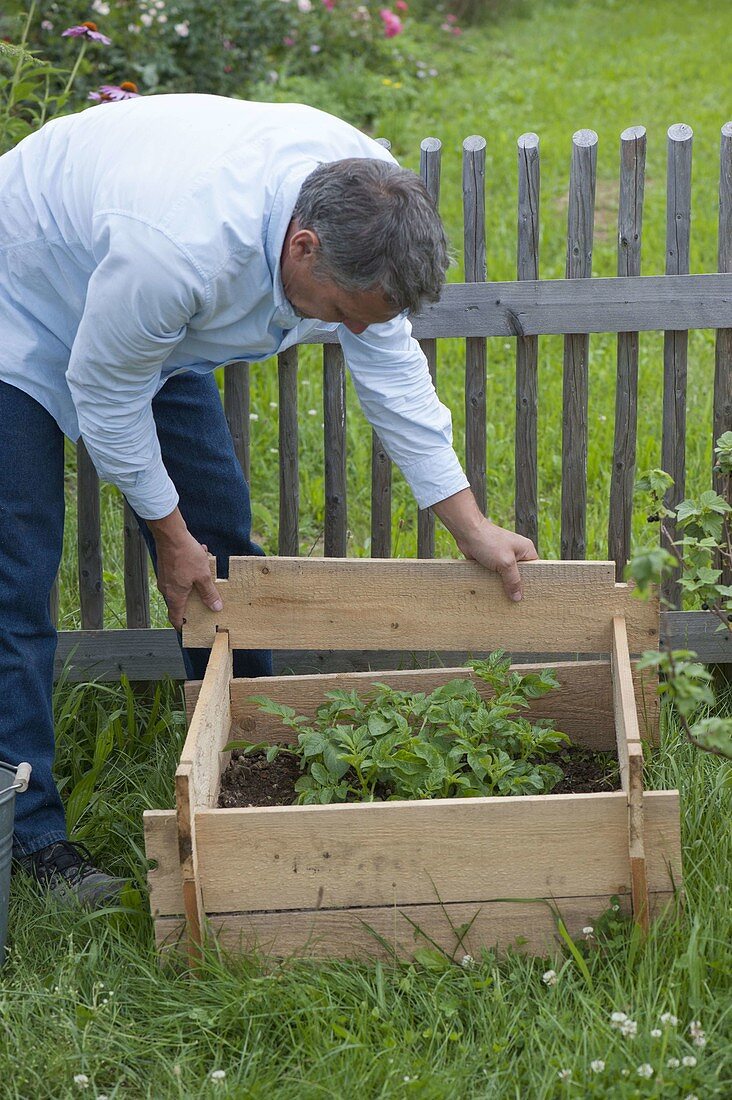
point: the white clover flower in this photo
(254, 416)
(629, 1029)
(691, 1096)
(467, 962)
(564, 1074)
(81, 1081)
(588, 930)
(618, 1018)
(46, 25)
(274, 450)
(100, 7)
(273, 404)
(689, 1061)
(695, 1028)
(549, 977)
(597, 1066)
(133, 28)
(217, 1074)
(669, 1019)
(312, 412)
(656, 1033)
(162, 18)
(625, 1072)
(673, 1063)
(305, 5)
(645, 1070)
(146, 19)
(182, 29)
(700, 1041)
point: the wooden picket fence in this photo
(474, 310)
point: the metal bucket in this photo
(12, 781)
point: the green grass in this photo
(85, 994)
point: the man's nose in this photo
(355, 328)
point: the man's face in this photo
(321, 298)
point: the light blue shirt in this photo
(141, 239)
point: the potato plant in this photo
(451, 743)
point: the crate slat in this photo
(236, 409)
(137, 585)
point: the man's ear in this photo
(304, 243)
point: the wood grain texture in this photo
(390, 853)
(675, 342)
(582, 707)
(321, 603)
(430, 164)
(575, 384)
(630, 226)
(560, 306)
(289, 468)
(236, 409)
(89, 552)
(334, 441)
(137, 585)
(475, 347)
(526, 498)
(380, 499)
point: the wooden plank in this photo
(334, 441)
(236, 408)
(648, 303)
(675, 341)
(311, 602)
(630, 225)
(582, 707)
(429, 168)
(526, 499)
(580, 223)
(408, 853)
(197, 779)
(137, 585)
(700, 631)
(91, 587)
(289, 536)
(722, 417)
(475, 347)
(662, 831)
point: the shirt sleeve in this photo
(140, 297)
(393, 384)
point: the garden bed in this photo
(384, 878)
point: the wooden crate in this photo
(371, 879)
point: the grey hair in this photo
(378, 230)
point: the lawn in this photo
(86, 995)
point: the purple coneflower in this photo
(109, 93)
(86, 30)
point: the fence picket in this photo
(475, 346)
(137, 585)
(630, 224)
(334, 437)
(675, 343)
(430, 164)
(526, 506)
(289, 525)
(236, 408)
(580, 221)
(91, 586)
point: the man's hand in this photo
(481, 541)
(182, 565)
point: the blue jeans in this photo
(214, 501)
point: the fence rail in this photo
(475, 311)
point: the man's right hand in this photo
(183, 565)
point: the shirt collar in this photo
(279, 221)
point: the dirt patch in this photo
(250, 780)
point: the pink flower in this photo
(109, 93)
(86, 30)
(288, 41)
(392, 23)
(401, 5)
(329, 4)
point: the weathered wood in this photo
(334, 408)
(429, 169)
(646, 303)
(236, 408)
(380, 500)
(722, 417)
(289, 536)
(580, 224)
(526, 505)
(137, 585)
(475, 347)
(91, 584)
(592, 826)
(583, 707)
(675, 341)
(310, 602)
(630, 223)
(197, 779)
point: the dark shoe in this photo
(67, 872)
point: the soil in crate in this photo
(250, 780)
